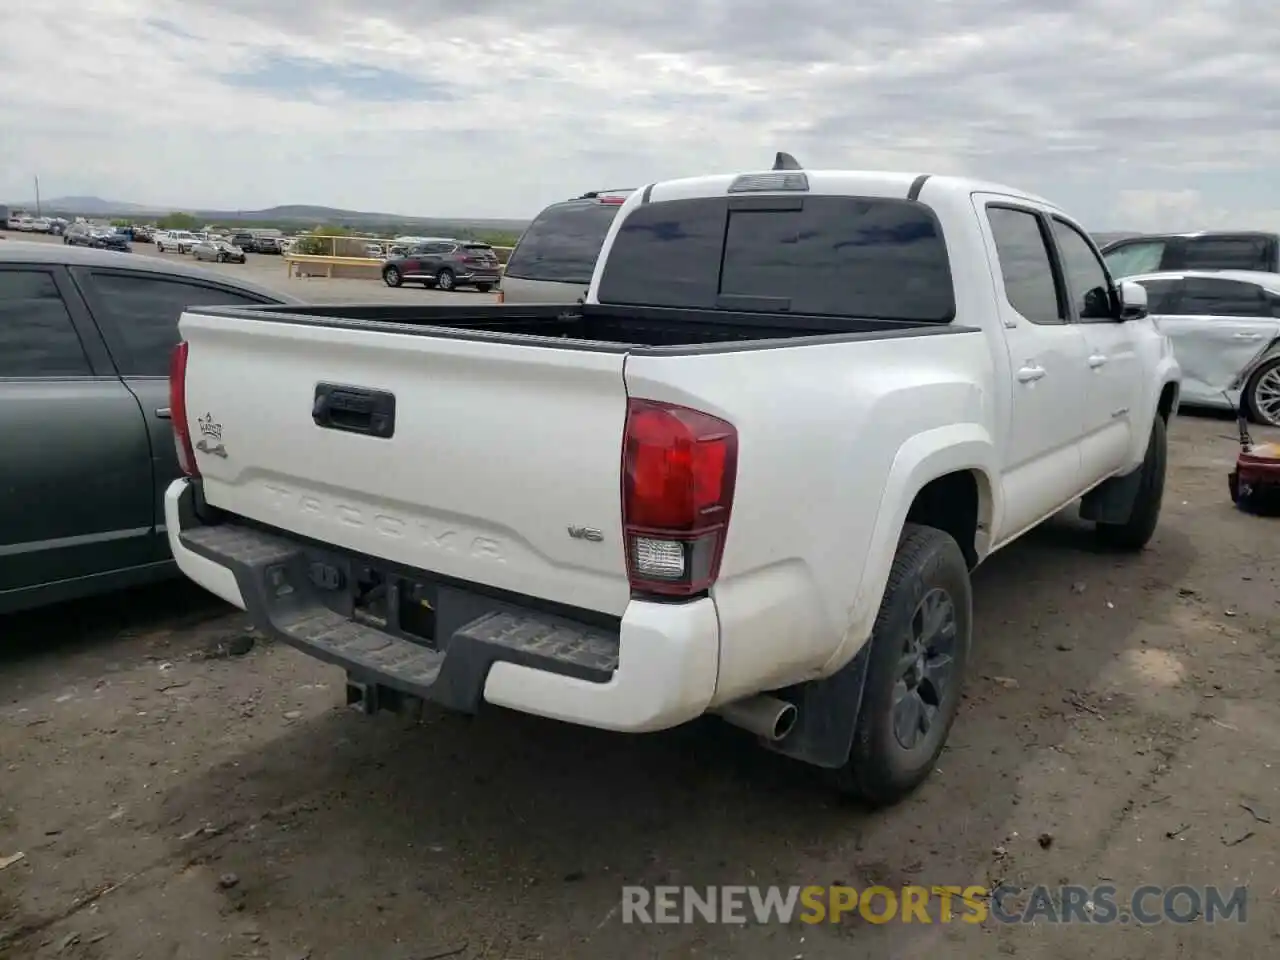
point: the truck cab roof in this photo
(875, 183)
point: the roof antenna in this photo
(785, 161)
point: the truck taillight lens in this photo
(178, 410)
(678, 471)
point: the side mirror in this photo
(1133, 301)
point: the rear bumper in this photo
(653, 669)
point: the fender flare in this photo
(828, 707)
(922, 459)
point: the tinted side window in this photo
(1226, 253)
(834, 256)
(1024, 260)
(145, 311)
(1162, 295)
(1131, 259)
(1209, 296)
(37, 337)
(1086, 277)
(563, 243)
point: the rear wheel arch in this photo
(958, 503)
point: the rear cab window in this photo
(864, 257)
(563, 242)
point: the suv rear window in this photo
(1227, 253)
(563, 242)
(864, 257)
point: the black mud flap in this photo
(826, 715)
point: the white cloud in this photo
(1141, 115)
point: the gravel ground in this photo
(176, 796)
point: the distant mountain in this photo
(89, 207)
(299, 214)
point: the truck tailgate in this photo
(502, 466)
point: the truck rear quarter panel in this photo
(835, 439)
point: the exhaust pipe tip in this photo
(768, 717)
(785, 721)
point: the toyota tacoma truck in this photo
(749, 475)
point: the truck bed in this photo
(594, 326)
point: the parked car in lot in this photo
(1225, 330)
(1205, 250)
(97, 236)
(218, 250)
(445, 265)
(180, 241)
(835, 394)
(85, 341)
(554, 257)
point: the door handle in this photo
(163, 413)
(1030, 373)
(1097, 359)
(1246, 336)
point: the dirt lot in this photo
(270, 272)
(176, 798)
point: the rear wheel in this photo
(1263, 394)
(445, 279)
(919, 651)
(391, 277)
(1136, 532)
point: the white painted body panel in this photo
(504, 446)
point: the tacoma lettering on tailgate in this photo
(436, 537)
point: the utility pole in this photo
(37, 196)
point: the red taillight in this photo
(178, 410)
(678, 471)
(614, 201)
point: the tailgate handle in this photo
(354, 410)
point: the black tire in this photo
(1252, 401)
(1136, 532)
(484, 287)
(929, 575)
(445, 279)
(392, 277)
(222, 258)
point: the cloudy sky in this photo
(1134, 114)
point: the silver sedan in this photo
(1224, 326)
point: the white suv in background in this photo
(180, 240)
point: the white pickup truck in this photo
(750, 475)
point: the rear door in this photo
(1047, 355)
(1220, 325)
(138, 314)
(75, 464)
